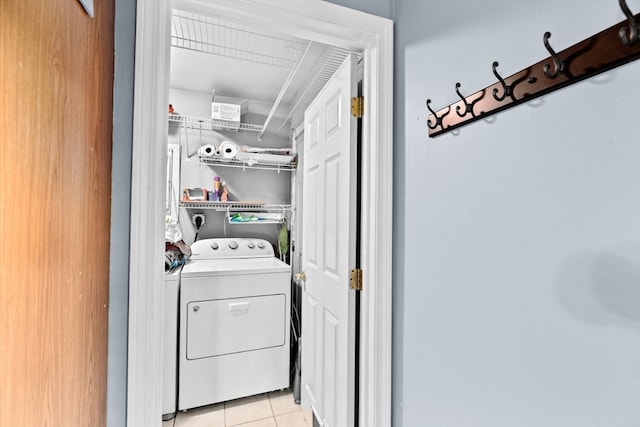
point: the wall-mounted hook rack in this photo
(608, 49)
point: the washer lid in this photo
(226, 267)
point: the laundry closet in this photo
(237, 95)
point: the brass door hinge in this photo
(355, 279)
(357, 106)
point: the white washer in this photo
(234, 322)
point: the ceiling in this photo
(279, 74)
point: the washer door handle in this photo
(239, 308)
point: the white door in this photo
(328, 253)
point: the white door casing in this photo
(315, 20)
(328, 254)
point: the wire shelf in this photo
(235, 40)
(255, 218)
(198, 123)
(249, 163)
(311, 64)
(321, 71)
(235, 206)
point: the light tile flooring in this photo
(276, 409)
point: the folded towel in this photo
(249, 149)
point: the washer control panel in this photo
(231, 248)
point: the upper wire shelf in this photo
(211, 124)
(234, 40)
(310, 64)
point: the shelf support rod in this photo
(284, 89)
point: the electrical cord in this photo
(198, 222)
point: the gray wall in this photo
(267, 186)
(382, 8)
(517, 238)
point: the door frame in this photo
(314, 20)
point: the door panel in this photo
(310, 348)
(328, 326)
(331, 248)
(331, 357)
(311, 210)
(56, 80)
(213, 327)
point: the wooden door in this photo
(56, 84)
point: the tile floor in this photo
(275, 409)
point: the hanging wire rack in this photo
(311, 64)
(235, 40)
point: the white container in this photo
(227, 112)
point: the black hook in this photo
(506, 88)
(632, 29)
(438, 119)
(559, 65)
(468, 108)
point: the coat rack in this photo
(615, 46)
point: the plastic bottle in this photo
(216, 188)
(224, 197)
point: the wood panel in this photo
(56, 82)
